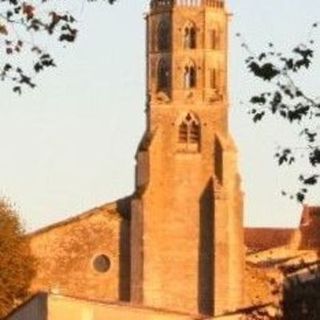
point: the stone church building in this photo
(175, 248)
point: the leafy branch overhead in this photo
(25, 27)
(285, 99)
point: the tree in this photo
(16, 262)
(284, 99)
(24, 25)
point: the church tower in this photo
(186, 228)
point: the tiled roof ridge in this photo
(270, 228)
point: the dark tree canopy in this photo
(16, 263)
(24, 28)
(285, 99)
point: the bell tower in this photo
(186, 227)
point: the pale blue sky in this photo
(69, 145)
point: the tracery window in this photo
(189, 134)
(163, 75)
(190, 36)
(163, 36)
(190, 76)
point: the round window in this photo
(101, 263)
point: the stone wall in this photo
(187, 236)
(257, 239)
(86, 256)
(57, 307)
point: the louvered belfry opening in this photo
(189, 134)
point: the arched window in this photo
(190, 76)
(190, 36)
(193, 38)
(189, 134)
(163, 36)
(163, 75)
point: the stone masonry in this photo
(187, 234)
(176, 244)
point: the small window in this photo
(190, 36)
(190, 77)
(101, 263)
(163, 76)
(163, 36)
(189, 134)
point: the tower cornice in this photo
(165, 4)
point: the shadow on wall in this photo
(123, 207)
(206, 254)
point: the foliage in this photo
(301, 296)
(24, 28)
(16, 263)
(285, 99)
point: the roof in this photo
(266, 269)
(280, 256)
(265, 238)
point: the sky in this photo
(69, 145)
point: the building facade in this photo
(187, 233)
(176, 244)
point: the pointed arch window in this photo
(163, 36)
(190, 36)
(190, 76)
(189, 134)
(163, 75)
